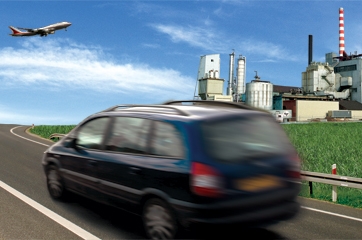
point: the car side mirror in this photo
(70, 142)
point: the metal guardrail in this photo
(323, 122)
(57, 135)
(335, 180)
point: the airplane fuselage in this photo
(44, 31)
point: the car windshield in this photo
(241, 139)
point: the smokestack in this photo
(310, 49)
(341, 32)
(231, 73)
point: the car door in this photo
(166, 169)
(126, 147)
(80, 162)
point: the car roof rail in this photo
(177, 110)
(212, 103)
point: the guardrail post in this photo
(334, 191)
(310, 188)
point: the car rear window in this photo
(241, 139)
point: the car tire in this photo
(158, 220)
(55, 184)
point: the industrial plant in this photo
(329, 91)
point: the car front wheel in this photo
(54, 183)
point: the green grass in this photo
(46, 130)
(320, 145)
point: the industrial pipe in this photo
(310, 49)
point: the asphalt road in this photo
(28, 212)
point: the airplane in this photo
(44, 31)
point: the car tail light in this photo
(206, 180)
(294, 170)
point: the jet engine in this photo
(45, 32)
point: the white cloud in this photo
(195, 36)
(213, 40)
(66, 64)
(150, 45)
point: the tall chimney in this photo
(231, 74)
(341, 32)
(310, 49)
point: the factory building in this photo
(210, 85)
(332, 89)
(339, 77)
(351, 72)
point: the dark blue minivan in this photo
(180, 164)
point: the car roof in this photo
(186, 109)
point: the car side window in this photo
(129, 135)
(167, 140)
(90, 135)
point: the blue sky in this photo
(148, 52)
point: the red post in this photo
(334, 191)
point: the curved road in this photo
(28, 212)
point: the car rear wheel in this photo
(54, 183)
(158, 220)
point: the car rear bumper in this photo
(258, 217)
(260, 210)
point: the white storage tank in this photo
(259, 94)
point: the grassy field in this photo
(320, 145)
(45, 130)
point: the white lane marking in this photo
(52, 215)
(11, 130)
(334, 214)
(47, 212)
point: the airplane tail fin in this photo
(15, 30)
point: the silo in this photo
(259, 94)
(241, 75)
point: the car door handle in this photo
(134, 170)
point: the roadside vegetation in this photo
(319, 145)
(46, 130)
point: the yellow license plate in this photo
(258, 183)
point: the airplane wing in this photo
(28, 29)
(25, 28)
